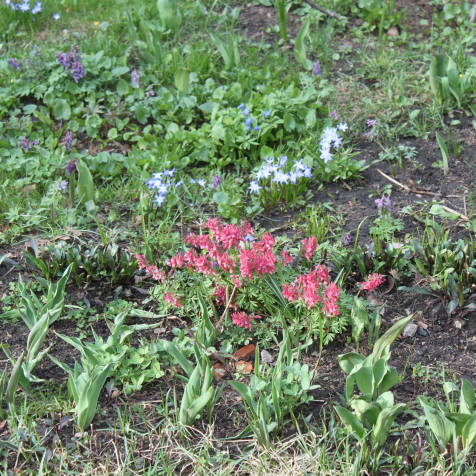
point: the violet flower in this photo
(135, 78)
(384, 202)
(14, 63)
(70, 167)
(316, 68)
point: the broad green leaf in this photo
(351, 422)
(85, 186)
(382, 344)
(467, 397)
(61, 109)
(384, 423)
(365, 381)
(441, 427)
(348, 361)
(468, 434)
(14, 379)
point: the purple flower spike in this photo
(63, 185)
(14, 63)
(70, 167)
(67, 141)
(216, 181)
(135, 78)
(72, 62)
(371, 122)
(347, 239)
(384, 202)
(316, 68)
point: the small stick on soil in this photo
(329, 13)
(422, 192)
(406, 187)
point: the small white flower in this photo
(342, 126)
(254, 187)
(159, 200)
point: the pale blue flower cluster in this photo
(25, 6)
(248, 119)
(330, 139)
(163, 182)
(279, 171)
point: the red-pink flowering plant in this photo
(374, 280)
(247, 275)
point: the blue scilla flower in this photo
(256, 128)
(244, 109)
(37, 8)
(159, 199)
(266, 113)
(254, 187)
(248, 122)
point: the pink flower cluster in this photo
(309, 246)
(210, 252)
(241, 319)
(374, 280)
(150, 269)
(172, 299)
(314, 287)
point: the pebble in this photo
(410, 330)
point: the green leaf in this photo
(14, 379)
(350, 360)
(441, 427)
(444, 153)
(467, 397)
(170, 15)
(123, 87)
(382, 344)
(61, 109)
(365, 381)
(300, 46)
(351, 422)
(182, 80)
(468, 434)
(384, 423)
(359, 318)
(85, 186)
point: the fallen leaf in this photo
(29, 188)
(219, 370)
(243, 367)
(246, 352)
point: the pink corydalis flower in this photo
(286, 258)
(149, 269)
(309, 246)
(172, 299)
(241, 319)
(374, 280)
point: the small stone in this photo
(266, 357)
(422, 325)
(458, 323)
(410, 330)
(393, 31)
(422, 332)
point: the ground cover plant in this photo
(237, 238)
